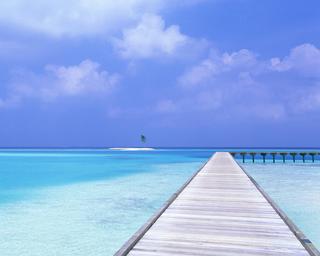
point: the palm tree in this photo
(252, 155)
(273, 156)
(243, 154)
(293, 154)
(263, 154)
(303, 154)
(143, 138)
(283, 154)
(313, 154)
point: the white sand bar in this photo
(132, 149)
(220, 212)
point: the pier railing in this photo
(277, 156)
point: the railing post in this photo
(263, 156)
(293, 154)
(283, 154)
(243, 154)
(253, 156)
(312, 154)
(303, 154)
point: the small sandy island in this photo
(132, 149)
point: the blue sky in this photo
(184, 73)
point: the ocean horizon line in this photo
(161, 147)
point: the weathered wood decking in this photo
(219, 212)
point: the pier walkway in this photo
(220, 211)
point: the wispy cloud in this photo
(166, 106)
(306, 99)
(218, 64)
(59, 81)
(244, 84)
(10, 49)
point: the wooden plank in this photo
(220, 211)
(209, 248)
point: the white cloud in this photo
(304, 62)
(222, 81)
(251, 85)
(150, 38)
(60, 81)
(78, 17)
(144, 33)
(304, 59)
(83, 78)
(247, 84)
(242, 61)
(200, 73)
(74, 17)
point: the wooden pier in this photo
(284, 155)
(219, 211)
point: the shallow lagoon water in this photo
(84, 202)
(89, 202)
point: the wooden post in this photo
(263, 156)
(253, 156)
(293, 154)
(303, 154)
(243, 154)
(283, 154)
(312, 154)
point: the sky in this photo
(192, 73)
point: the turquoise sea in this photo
(90, 201)
(84, 202)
